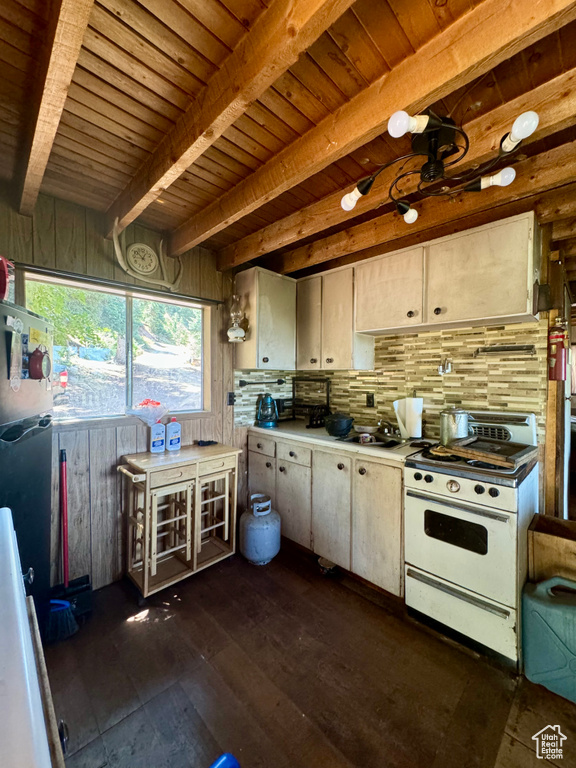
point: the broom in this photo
(61, 621)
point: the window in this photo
(114, 348)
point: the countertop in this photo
(145, 462)
(296, 430)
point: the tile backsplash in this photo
(404, 364)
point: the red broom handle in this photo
(64, 511)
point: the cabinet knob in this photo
(437, 310)
(259, 445)
(265, 359)
(340, 466)
(291, 453)
(410, 313)
(268, 464)
(313, 359)
(329, 359)
(282, 469)
(362, 471)
(28, 576)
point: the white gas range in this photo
(465, 536)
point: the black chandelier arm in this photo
(395, 184)
(397, 160)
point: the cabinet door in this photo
(482, 274)
(276, 322)
(309, 324)
(337, 319)
(377, 524)
(389, 291)
(331, 506)
(293, 501)
(262, 475)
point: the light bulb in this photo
(349, 201)
(410, 216)
(399, 124)
(524, 126)
(503, 178)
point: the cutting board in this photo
(501, 453)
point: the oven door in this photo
(474, 547)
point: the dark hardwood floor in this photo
(284, 667)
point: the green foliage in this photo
(93, 318)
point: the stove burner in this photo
(427, 454)
(483, 465)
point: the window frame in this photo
(129, 293)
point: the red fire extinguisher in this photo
(557, 351)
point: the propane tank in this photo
(260, 531)
(557, 351)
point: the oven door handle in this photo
(459, 507)
(475, 601)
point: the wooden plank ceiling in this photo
(240, 123)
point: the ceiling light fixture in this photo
(443, 144)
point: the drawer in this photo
(295, 452)
(263, 445)
(217, 465)
(175, 475)
(475, 616)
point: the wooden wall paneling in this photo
(70, 224)
(142, 437)
(126, 443)
(44, 232)
(20, 240)
(210, 278)
(103, 506)
(100, 258)
(79, 507)
(55, 527)
(4, 223)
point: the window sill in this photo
(103, 422)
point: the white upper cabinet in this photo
(482, 276)
(269, 302)
(309, 324)
(325, 321)
(389, 291)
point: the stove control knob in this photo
(428, 478)
(453, 486)
(417, 475)
(494, 492)
(479, 489)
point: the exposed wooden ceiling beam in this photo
(555, 102)
(547, 205)
(564, 228)
(64, 36)
(567, 247)
(536, 174)
(275, 42)
(472, 45)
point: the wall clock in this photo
(141, 258)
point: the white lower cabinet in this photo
(377, 524)
(262, 475)
(331, 506)
(342, 507)
(293, 501)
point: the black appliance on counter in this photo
(312, 408)
(26, 441)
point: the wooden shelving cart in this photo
(180, 513)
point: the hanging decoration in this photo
(141, 261)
